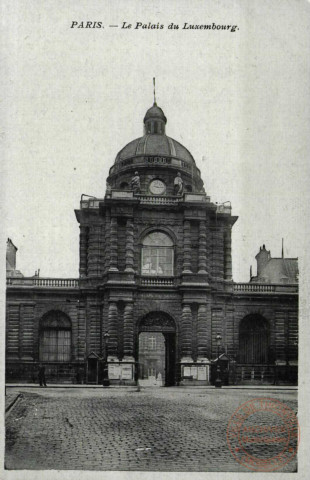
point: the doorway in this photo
(92, 370)
(254, 340)
(170, 359)
(157, 350)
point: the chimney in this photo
(262, 259)
(11, 255)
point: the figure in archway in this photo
(178, 184)
(135, 183)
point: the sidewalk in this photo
(194, 387)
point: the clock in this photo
(157, 187)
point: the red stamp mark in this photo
(263, 434)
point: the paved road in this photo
(157, 429)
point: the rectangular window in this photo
(55, 345)
(157, 261)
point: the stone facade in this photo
(155, 256)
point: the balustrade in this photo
(158, 200)
(157, 281)
(253, 287)
(43, 282)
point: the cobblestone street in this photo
(156, 429)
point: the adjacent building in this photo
(155, 263)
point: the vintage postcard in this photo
(155, 202)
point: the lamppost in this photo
(106, 381)
(218, 381)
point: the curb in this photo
(11, 405)
(187, 387)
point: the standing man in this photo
(42, 379)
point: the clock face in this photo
(157, 187)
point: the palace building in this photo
(155, 298)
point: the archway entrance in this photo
(254, 340)
(156, 350)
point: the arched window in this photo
(254, 339)
(55, 337)
(157, 254)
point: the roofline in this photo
(284, 258)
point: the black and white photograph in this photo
(155, 192)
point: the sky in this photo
(239, 101)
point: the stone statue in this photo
(135, 183)
(108, 188)
(178, 184)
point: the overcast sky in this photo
(74, 97)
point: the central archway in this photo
(157, 348)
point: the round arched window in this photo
(157, 254)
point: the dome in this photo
(155, 142)
(155, 155)
(152, 144)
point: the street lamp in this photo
(218, 381)
(106, 381)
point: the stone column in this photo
(202, 253)
(83, 250)
(129, 246)
(113, 331)
(113, 245)
(227, 255)
(187, 247)
(202, 333)
(186, 335)
(128, 332)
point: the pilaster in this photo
(83, 250)
(113, 245)
(186, 334)
(202, 333)
(227, 255)
(128, 332)
(113, 332)
(107, 238)
(187, 247)
(202, 253)
(129, 260)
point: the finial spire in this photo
(282, 247)
(154, 91)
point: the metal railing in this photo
(263, 374)
(91, 203)
(223, 207)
